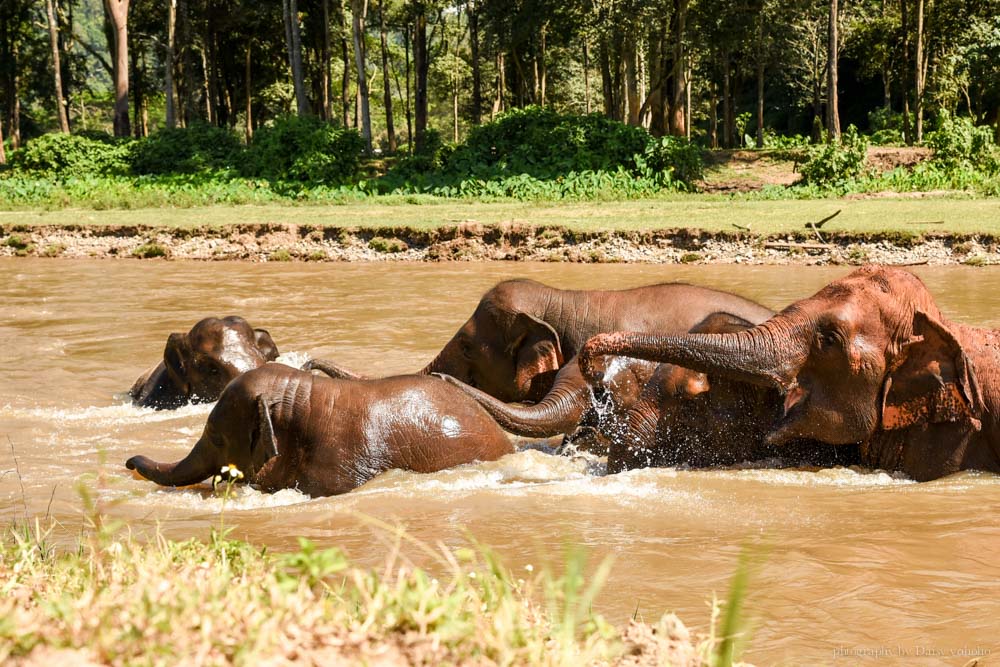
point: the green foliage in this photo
(670, 159)
(309, 565)
(60, 154)
(280, 255)
(149, 250)
(304, 149)
(387, 245)
(886, 127)
(959, 143)
(201, 147)
(832, 163)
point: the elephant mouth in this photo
(794, 408)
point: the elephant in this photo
(869, 359)
(198, 365)
(520, 343)
(287, 428)
(655, 414)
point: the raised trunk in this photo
(57, 67)
(168, 65)
(118, 11)
(359, 13)
(333, 370)
(767, 355)
(390, 128)
(559, 412)
(198, 465)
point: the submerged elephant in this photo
(869, 359)
(521, 341)
(198, 365)
(286, 428)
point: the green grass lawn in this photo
(964, 216)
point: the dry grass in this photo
(119, 601)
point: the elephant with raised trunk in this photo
(521, 341)
(286, 428)
(869, 359)
(198, 365)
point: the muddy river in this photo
(858, 565)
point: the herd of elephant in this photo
(867, 371)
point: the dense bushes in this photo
(74, 155)
(961, 145)
(187, 151)
(833, 163)
(303, 149)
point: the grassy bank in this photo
(710, 213)
(118, 601)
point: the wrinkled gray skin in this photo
(286, 428)
(869, 359)
(198, 365)
(521, 341)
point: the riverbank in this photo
(922, 242)
(118, 601)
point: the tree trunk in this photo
(359, 14)
(586, 76)
(57, 67)
(294, 41)
(248, 130)
(325, 72)
(3, 151)
(168, 66)
(657, 77)
(118, 11)
(137, 97)
(904, 22)
(633, 102)
(677, 116)
(760, 84)
(409, 114)
(477, 82)
(390, 129)
(606, 83)
(542, 68)
(918, 79)
(832, 100)
(727, 130)
(206, 86)
(345, 80)
(713, 119)
(501, 85)
(421, 61)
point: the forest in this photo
(614, 96)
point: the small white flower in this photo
(472, 575)
(529, 567)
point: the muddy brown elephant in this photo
(522, 339)
(869, 359)
(198, 365)
(286, 428)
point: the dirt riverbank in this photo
(476, 242)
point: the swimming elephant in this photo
(198, 365)
(523, 336)
(286, 428)
(868, 359)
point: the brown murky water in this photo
(859, 565)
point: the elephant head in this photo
(239, 432)
(197, 365)
(867, 354)
(502, 350)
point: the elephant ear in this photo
(266, 345)
(176, 357)
(932, 382)
(537, 355)
(263, 444)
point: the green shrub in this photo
(388, 245)
(58, 154)
(959, 143)
(834, 163)
(194, 149)
(545, 144)
(304, 149)
(280, 255)
(149, 250)
(670, 159)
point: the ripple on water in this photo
(107, 415)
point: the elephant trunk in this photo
(193, 468)
(333, 370)
(767, 355)
(557, 413)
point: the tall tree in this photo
(57, 67)
(359, 13)
(118, 12)
(168, 65)
(832, 100)
(390, 129)
(421, 63)
(919, 75)
(294, 39)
